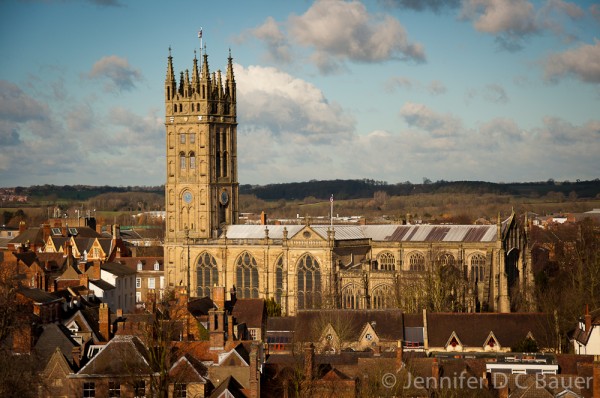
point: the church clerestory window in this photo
(246, 276)
(309, 283)
(206, 274)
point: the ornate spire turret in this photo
(195, 76)
(230, 80)
(187, 92)
(219, 85)
(181, 84)
(170, 83)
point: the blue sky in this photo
(393, 90)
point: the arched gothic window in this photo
(382, 297)
(182, 161)
(446, 259)
(416, 262)
(192, 160)
(279, 280)
(246, 271)
(207, 274)
(350, 297)
(477, 267)
(309, 283)
(386, 261)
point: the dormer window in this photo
(139, 266)
(156, 266)
(73, 231)
(369, 336)
(454, 342)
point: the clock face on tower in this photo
(187, 197)
(224, 198)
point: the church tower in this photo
(201, 190)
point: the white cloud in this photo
(340, 31)
(118, 73)
(419, 115)
(582, 63)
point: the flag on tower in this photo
(331, 200)
(200, 33)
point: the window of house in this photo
(192, 138)
(89, 389)
(180, 390)
(151, 283)
(139, 388)
(139, 266)
(252, 333)
(138, 297)
(156, 266)
(138, 283)
(182, 138)
(114, 389)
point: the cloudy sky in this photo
(393, 90)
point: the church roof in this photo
(388, 232)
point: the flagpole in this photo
(200, 37)
(331, 214)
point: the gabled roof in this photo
(230, 387)
(87, 320)
(187, 369)
(335, 375)
(122, 355)
(234, 357)
(54, 336)
(38, 296)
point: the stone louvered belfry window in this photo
(382, 297)
(207, 274)
(309, 283)
(246, 272)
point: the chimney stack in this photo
(104, 321)
(22, 227)
(218, 296)
(399, 355)
(254, 373)
(263, 218)
(309, 361)
(596, 375)
(230, 321)
(435, 371)
(76, 353)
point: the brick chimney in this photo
(22, 227)
(399, 355)
(230, 321)
(254, 379)
(104, 321)
(263, 218)
(216, 329)
(309, 361)
(435, 371)
(596, 374)
(218, 296)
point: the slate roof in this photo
(252, 312)
(388, 324)
(102, 284)
(388, 232)
(473, 329)
(118, 269)
(187, 369)
(121, 356)
(38, 296)
(55, 336)
(200, 306)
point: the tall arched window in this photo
(416, 262)
(207, 274)
(192, 160)
(182, 160)
(477, 267)
(279, 280)
(246, 271)
(382, 297)
(309, 283)
(225, 160)
(446, 259)
(350, 297)
(386, 261)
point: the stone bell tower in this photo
(201, 190)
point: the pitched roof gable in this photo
(122, 355)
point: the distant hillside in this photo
(78, 192)
(357, 189)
